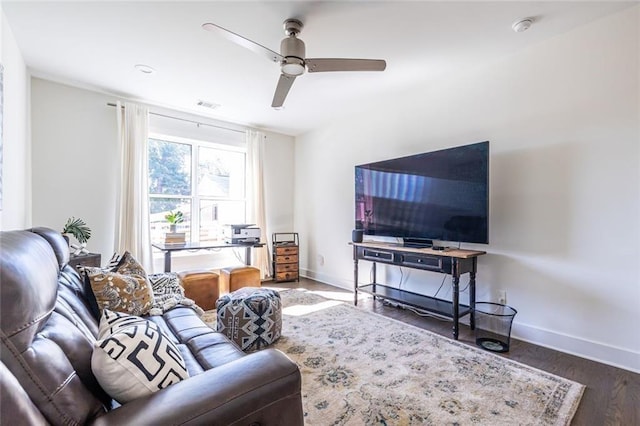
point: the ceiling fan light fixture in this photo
(293, 67)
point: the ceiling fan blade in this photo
(244, 42)
(284, 84)
(337, 64)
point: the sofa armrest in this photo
(262, 388)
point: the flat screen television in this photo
(440, 195)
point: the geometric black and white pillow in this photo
(133, 357)
(112, 322)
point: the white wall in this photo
(74, 160)
(16, 170)
(75, 166)
(563, 121)
(279, 182)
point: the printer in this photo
(241, 234)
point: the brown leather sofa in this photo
(48, 332)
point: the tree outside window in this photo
(196, 177)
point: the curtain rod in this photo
(185, 119)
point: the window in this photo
(204, 180)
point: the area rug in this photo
(361, 368)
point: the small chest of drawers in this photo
(285, 256)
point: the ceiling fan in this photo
(292, 57)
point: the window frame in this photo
(195, 198)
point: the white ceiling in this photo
(96, 45)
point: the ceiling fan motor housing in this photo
(293, 50)
(292, 46)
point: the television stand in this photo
(454, 262)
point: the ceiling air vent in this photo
(207, 104)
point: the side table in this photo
(90, 259)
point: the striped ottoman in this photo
(251, 317)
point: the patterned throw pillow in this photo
(168, 293)
(133, 357)
(166, 283)
(130, 294)
(112, 322)
(128, 265)
(114, 261)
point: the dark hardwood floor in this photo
(611, 397)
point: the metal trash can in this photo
(493, 326)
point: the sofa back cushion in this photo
(47, 333)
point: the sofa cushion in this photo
(59, 245)
(134, 358)
(130, 294)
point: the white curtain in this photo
(255, 199)
(132, 215)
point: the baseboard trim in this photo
(326, 279)
(583, 348)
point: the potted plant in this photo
(174, 218)
(78, 228)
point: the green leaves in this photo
(174, 217)
(78, 228)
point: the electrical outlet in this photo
(320, 260)
(502, 296)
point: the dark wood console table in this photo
(454, 262)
